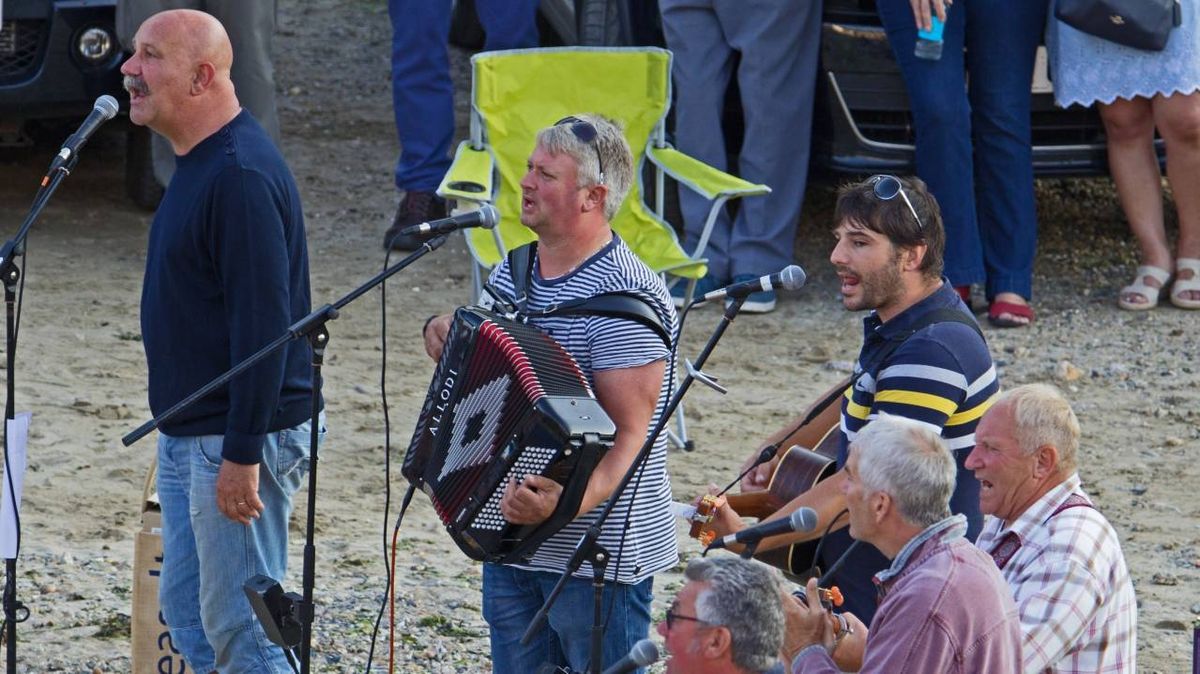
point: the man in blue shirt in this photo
(922, 358)
(226, 273)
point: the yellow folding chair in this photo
(518, 92)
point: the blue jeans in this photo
(974, 148)
(512, 596)
(207, 557)
(422, 94)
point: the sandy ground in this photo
(80, 370)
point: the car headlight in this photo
(95, 44)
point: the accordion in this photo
(506, 401)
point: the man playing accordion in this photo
(578, 175)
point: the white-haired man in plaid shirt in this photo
(1059, 555)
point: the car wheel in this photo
(140, 184)
(602, 22)
(465, 29)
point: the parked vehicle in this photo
(862, 123)
(56, 58)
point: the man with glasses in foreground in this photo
(578, 175)
(727, 619)
(922, 358)
(943, 606)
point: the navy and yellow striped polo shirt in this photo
(942, 375)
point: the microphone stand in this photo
(15, 611)
(313, 328)
(588, 547)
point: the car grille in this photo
(20, 43)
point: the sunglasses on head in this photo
(886, 188)
(586, 132)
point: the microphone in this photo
(486, 216)
(791, 277)
(643, 654)
(804, 519)
(104, 110)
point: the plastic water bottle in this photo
(929, 42)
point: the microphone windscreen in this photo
(107, 105)
(491, 216)
(644, 653)
(792, 277)
(804, 519)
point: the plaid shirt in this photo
(1072, 588)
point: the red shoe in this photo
(997, 310)
(964, 292)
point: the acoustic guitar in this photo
(797, 471)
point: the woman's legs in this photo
(1178, 120)
(1129, 125)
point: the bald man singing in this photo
(226, 273)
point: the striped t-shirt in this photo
(601, 343)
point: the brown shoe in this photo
(414, 209)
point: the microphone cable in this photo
(821, 540)
(389, 561)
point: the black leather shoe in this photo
(414, 208)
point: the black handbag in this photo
(1141, 24)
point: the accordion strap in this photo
(625, 305)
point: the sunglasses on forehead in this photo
(886, 188)
(586, 132)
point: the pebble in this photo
(1067, 371)
(1196, 608)
(1164, 579)
(1174, 442)
(840, 366)
(1174, 625)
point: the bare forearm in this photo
(825, 498)
(608, 474)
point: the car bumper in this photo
(42, 73)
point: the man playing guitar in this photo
(923, 358)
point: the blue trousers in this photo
(422, 93)
(777, 40)
(512, 596)
(973, 146)
(207, 557)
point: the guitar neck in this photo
(753, 504)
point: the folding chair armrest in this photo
(470, 175)
(701, 178)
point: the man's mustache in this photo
(136, 85)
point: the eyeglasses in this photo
(586, 132)
(886, 188)
(672, 616)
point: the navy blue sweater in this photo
(227, 273)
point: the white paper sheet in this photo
(18, 432)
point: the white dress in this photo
(1087, 69)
